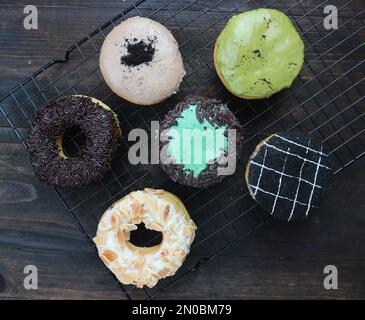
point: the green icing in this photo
(259, 52)
(193, 144)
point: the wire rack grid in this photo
(326, 100)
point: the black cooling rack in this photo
(326, 100)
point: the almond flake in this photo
(115, 265)
(139, 263)
(109, 255)
(141, 283)
(165, 214)
(136, 220)
(164, 272)
(154, 191)
(136, 209)
(128, 227)
(114, 220)
(123, 212)
(121, 237)
(153, 226)
(103, 226)
(151, 205)
(100, 240)
(125, 278)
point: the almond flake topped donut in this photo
(158, 210)
(141, 62)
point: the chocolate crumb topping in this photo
(257, 52)
(139, 52)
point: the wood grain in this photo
(279, 261)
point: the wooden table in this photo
(277, 262)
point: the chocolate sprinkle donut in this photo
(217, 114)
(102, 133)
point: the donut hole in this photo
(143, 237)
(73, 140)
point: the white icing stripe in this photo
(300, 145)
(315, 180)
(262, 169)
(279, 187)
(294, 155)
(274, 195)
(284, 174)
(297, 192)
(309, 143)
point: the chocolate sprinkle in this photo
(102, 134)
(212, 111)
(138, 53)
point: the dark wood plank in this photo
(286, 262)
(279, 261)
(36, 231)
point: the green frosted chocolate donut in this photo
(258, 53)
(194, 138)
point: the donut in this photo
(258, 53)
(194, 160)
(46, 153)
(141, 62)
(159, 210)
(288, 175)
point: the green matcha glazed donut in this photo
(258, 53)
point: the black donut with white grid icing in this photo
(288, 175)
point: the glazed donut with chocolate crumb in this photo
(141, 62)
(102, 134)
